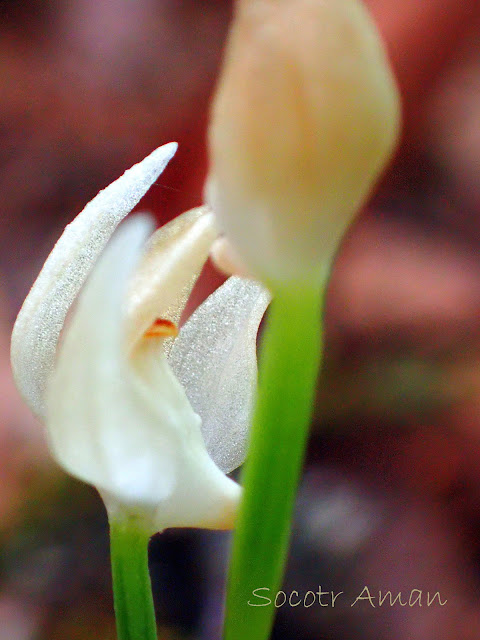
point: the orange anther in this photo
(161, 328)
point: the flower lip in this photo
(123, 422)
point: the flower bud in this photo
(305, 117)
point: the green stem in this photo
(134, 611)
(290, 359)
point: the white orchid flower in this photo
(153, 422)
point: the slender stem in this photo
(134, 611)
(289, 364)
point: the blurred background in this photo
(391, 492)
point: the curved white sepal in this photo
(214, 357)
(40, 321)
(123, 422)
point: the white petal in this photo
(39, 323)
(123, 423)
(214, 357)
(174, 257)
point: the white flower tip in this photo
(226, 259)
(167, 151)
(157, 160)
(222, 517)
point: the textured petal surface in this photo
(123, 422)
(174, 257)
(39, 323)
(214, 357)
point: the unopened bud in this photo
(305, 117)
